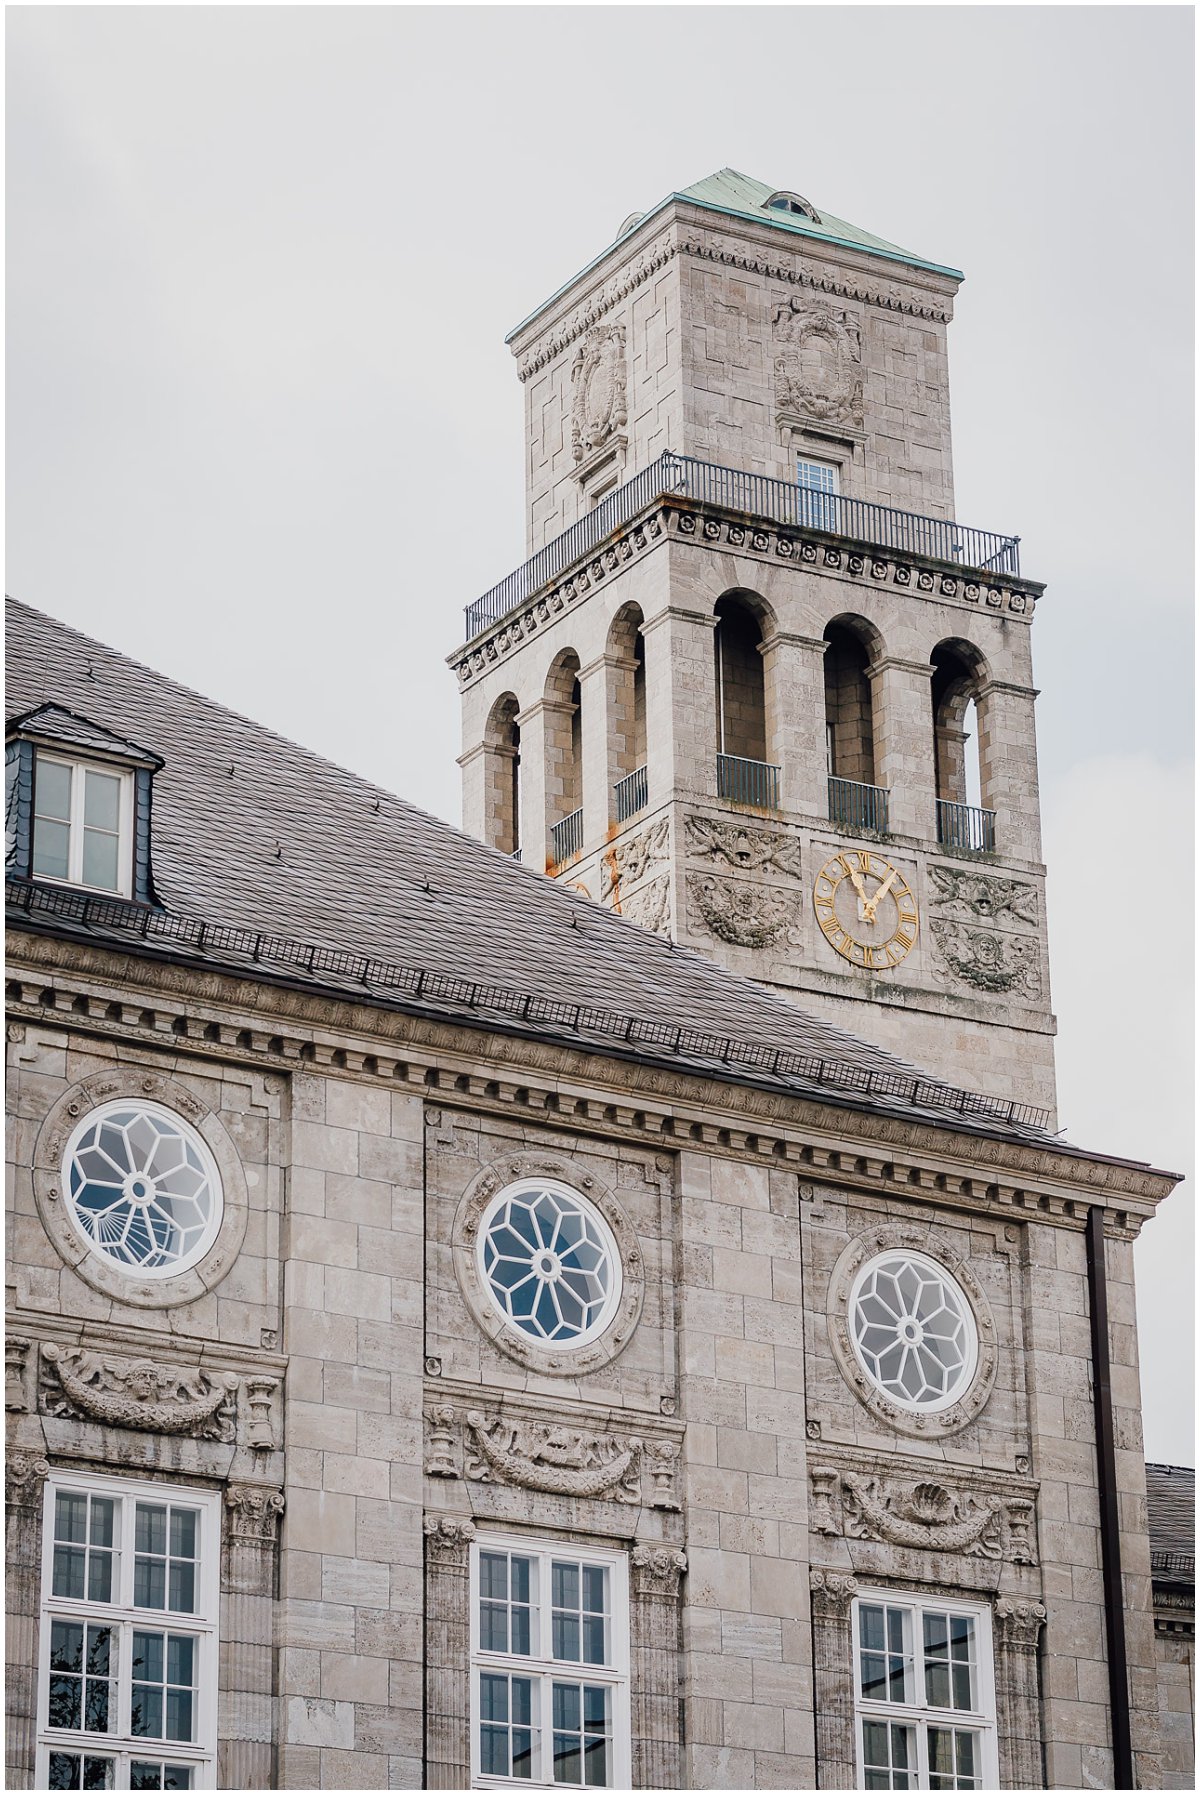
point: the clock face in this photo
(866, 910)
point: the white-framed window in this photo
(142, 1188)
(549, 1665)
(913, 1330)
(82, 824)
(819, 484)
(550, 1263)
(925, 1699)
(127, 1682)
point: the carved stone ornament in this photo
(919, 1238)
(921, 1513)
(818, 362)
(657, 1570)
(447, 1537)
(260, 1393)
(253, 1511)
(980, 897)
(124, 1285)
(551, 1458)
(746, 850)
(1018, 1624)
(832, 1593)
(649, 906)
(746, 915)
(24, 1474)
(633, 859)
(989, 960)
(598, 403)
(546, 1356)
(16, 1352)
(91, 1386)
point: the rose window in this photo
(550, 1263)
(913, 1330)
(142, 1188)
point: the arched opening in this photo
(564, 757)
(503, 741)
(964, 817)
(743, 772)
(855, 799)
(626, 697)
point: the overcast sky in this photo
(263, 432)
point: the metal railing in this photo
(757, 495)
(567, 837)
(855, 806)
(966, 826)
(753, 782)
(631, 794)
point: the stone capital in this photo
(832, 1594)
(25, 1473)
(657, 1570)
(1018, 1624)
(892, 663)
(448, 1539)
(253, 1512)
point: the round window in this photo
(550, 1263)
(142, 1188)
(913, 1330)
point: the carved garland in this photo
(745, 850)
(90, 1386)
(981, 897)
(922, 1514)
(551, 1459)
(988, 960)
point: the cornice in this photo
(205, 1014)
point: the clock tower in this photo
(756, 688)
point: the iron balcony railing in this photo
(858, 807)
(632, 794)
(966, 826)
(753, 782)
(567, 837)
(777, 501)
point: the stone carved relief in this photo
(649, 906)
(979, 896)
(551, 1459)
(633, 859)
(16, 1352)
(1019, 1623)
(818, 364)
(91, 1386)
(923, 1514)
(744, 914)
(832, 1593)
(657, 1570)
(447, 1538)
(747, 850)
(253, 1511)
(598, 407)
(988, 960)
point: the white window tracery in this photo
(550, 1263)
(913, 1330)
(142, 1188)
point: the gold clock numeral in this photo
(904, 938)
(906, 916)
(864, 862)
(868, 960)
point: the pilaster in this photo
(681, 703)
(656, 1572)
(246, 1747)
(25, 1477)
(1016, 1630)
(794, 681)
(902, 710)
(447, 1651)
(1008, 769)
(476, 818)
(833, 1677)
(594, 681)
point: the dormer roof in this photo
(62, 728)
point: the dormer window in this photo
(77, 808)
(793, 203)
(82, 824)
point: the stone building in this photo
(460, 1336)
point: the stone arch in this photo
(502, 748)
(960, 680)
(854, 647)
(744, 621)
(563, 705)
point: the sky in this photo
(264, 434)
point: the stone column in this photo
(681, 704)
(794, 681)
(539, 726)
(902, 724)
(833, 1677)
(1016, 1628)
(596, 772)
(1008, 773)
(25, 1484)
(655, 1572)
(246, 1750)
(447, 1652)
(476, 796)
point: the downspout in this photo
(1106, 1481)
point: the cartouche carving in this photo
(90, 1386)
(746, 915)
(818, 369)
(989, 960)
(598, 406)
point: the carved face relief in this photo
(598, 406)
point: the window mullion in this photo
(75, 827)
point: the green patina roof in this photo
(741, 196)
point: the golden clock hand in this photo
(873, 903)
(856, 881)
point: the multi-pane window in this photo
(925, 1702)
(549, 1672)
(82, 824)
(127, 1690)
(818, 483)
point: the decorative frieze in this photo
(136, 1393)
(550, 1458)
(631, 882)
(988, 960)
(746, 915)
(746, 850)
(982, 897)
(818, 365)
(922, 1513)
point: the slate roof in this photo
(1171, 1506)
(252, 832)
(51, 723)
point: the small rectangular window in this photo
(115, 1673)
(924, 1694)
(82, 824)
(550, 1655)
(818, 482)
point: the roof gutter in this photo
(1106, 1479)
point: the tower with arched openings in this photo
(756, 687)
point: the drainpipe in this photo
(1106, 1480)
